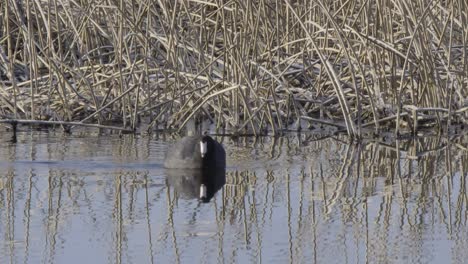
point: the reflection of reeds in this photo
(413, 181)
(256, 66)
(374, 194)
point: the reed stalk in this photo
(356, 63)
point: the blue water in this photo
(86, 198)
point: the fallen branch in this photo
(322, 121)
(15, 122)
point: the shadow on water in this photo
(196, 183)
(296, 199)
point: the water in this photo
(84, 198)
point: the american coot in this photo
(196, 166)
(195, 152)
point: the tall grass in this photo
(255, 66)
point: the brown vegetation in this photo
(256, 66)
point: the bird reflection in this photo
(196, 183)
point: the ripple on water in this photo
(70, 199)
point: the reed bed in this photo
(248, 66)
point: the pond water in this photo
(86, 198)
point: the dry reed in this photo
(255, 66)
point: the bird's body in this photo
(195, 152)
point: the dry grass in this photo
(254, 66)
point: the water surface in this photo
(85, 198)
